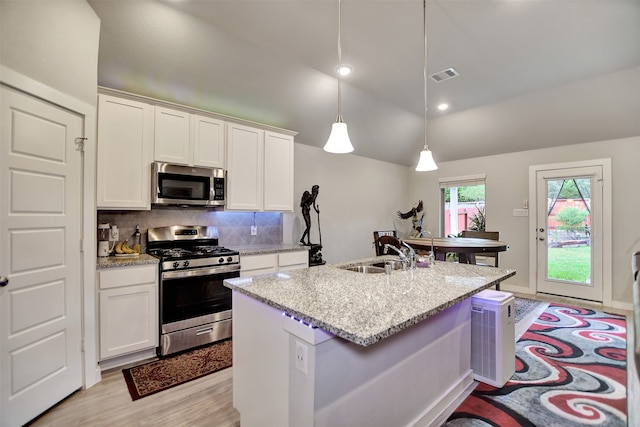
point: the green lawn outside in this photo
(572, 264)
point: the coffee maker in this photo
(104, 232)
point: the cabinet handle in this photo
(4, 281)
(204, 331)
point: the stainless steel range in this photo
(195, 306)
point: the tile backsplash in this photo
(234, 227)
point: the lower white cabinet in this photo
(128, 309)
(251, 265)
(293, 260)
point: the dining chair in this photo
(380, 238)
(492, 235)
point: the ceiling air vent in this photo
(447, 74)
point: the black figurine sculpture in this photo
(308, 200)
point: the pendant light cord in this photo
(424, 26)
(339, 119)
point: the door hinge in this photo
(82, 344)
(80, 143)
(81, 245)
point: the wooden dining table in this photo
(465, 247)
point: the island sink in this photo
(367, 269)
(375, 267)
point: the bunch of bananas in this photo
(123, 248)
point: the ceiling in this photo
(533, 73)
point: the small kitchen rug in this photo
(153, 377)
(570, 371)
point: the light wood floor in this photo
(207, 401)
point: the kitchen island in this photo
(325, 346)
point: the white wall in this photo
(50, 50)
(357, 197)
(507, 186)
(52, 42)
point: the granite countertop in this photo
(366, 308)
(268, 249)
(111, 262)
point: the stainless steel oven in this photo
(195, 306)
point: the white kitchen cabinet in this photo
(293, 260)
(125, 152)
(188, 139)
(259, 169)
(128, 304)
(251, 265)
(209, 144)
(245, 158)
(278, 172)
(172, 142)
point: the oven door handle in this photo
(197, 272)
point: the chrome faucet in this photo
(403, 257)
(412, 256)
(431, 254)
(406, 261)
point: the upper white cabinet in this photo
(125, 152)
(134, 131)
(278, 172)
(259, 169)
(245, 148)
(207, 136)
(188, 139)
(171, 142)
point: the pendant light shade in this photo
(339, 141)
(426, 162)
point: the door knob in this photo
(542, 230)
(4, 281)
(541, 238)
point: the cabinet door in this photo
(293, 260)
(172, 143)
(250, 265)
(207, 137)
(278, 172)
(128, 319)
(125, 147)
(245, 153)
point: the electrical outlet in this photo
(254, 230)
(301, 357)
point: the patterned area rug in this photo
(159, 375)
(570, 371)
(524, 306)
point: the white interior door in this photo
(40, 228)
(569, 230)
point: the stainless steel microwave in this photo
(173, 184)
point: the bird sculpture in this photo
(416, 215)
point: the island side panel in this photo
(407, 379)
(260, 363)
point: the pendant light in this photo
(425, 163)
(339, 141)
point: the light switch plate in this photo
(521, 212)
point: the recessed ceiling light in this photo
(443, 106)
(344, 70)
